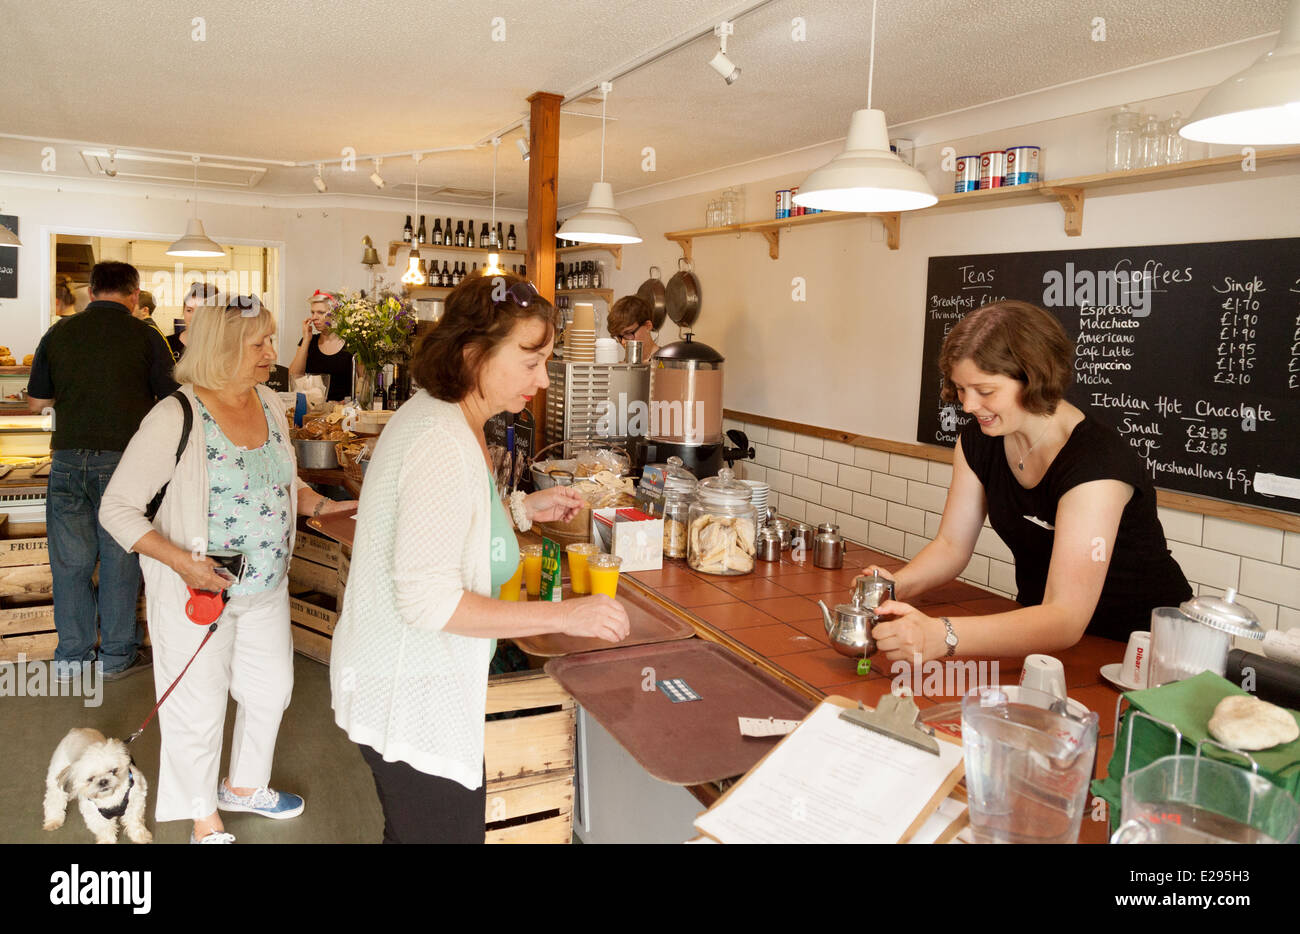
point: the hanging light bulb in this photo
(413, 275)
(1259, 106)
(866, 176)
(599, 221)
(493, 267)
(195, 242)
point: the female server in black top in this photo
(1064, 492)
(321, 351)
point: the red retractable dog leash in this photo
(203, 608)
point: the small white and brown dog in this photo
(99, 773)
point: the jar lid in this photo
(677, 478)
(828, 528)
(768, 534)
(688, 350)
(1224, 614)
(724, 488)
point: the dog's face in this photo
(100, 775)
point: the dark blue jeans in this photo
(78, 479)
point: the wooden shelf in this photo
(395, 245)
(606, 294)
(1068, 192)
(613, 249)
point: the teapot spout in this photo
(826, 617)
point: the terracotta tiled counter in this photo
(771, 618)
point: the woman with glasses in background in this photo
(630, 319)
(434, 543)
(233, 488)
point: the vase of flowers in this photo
(376, 332)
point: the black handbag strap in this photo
(187, 413)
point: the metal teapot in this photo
(850, 629)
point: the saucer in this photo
(1111, 673)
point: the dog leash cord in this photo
(136, 734)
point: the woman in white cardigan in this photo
(233, 487)
(410, 655)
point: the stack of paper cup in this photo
(580, 338)
(607, 350)
(758, 494)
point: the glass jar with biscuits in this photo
(722, 525)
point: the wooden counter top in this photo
(771, 618)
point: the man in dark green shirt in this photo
(101, 371)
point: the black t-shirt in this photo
(338, 366)
(1142, 574)
(104, 369)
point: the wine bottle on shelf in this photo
(407, 232)
(501, 240)
(511, 242)
(523, 270)
(483, 237)
(460, 233)
(447, 237)
(595, 275)
(420, 234)
(494, 242)
(437, 231)
(474, 271)
(446, 275)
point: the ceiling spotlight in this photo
(522, 142)
(111, 169)
(720, 63)
(318, 181)
(375, 176)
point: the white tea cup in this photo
(1043, 673)
(1136, 670)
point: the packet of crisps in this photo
(551, 584)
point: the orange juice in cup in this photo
(510, 589)
(532, 569)
(603, 571)
(579, 552)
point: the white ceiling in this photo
(296, 81)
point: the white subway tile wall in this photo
(894, 503)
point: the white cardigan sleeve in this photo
(147, 463)
(435, 510)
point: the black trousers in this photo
(423, 808)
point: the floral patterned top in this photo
(248, 503)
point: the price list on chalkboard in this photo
(1190, 351)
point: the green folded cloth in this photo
(1188, 705)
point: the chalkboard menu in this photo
(9, 260)
(1190, 351)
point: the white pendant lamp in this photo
(1259, 106)
(866, 177)
(599, 221)
(413, 276)
(195, 242)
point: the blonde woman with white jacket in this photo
(233, 487)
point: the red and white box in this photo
(631, 534)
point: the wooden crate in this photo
(529, 759)
(35, 647)
(307, 575)
(314, 547)
(311, 643)
(22, 543)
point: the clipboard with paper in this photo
(846, 775)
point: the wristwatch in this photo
(951, 639)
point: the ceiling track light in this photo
(523, 142)
(318, 181)
(195, 242)
(375, 177)
(720, 63)
(866, 177)
(111, 169)
(600, 221)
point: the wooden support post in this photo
(543, 176)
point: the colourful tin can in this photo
(782, 204)
(968, 174)
(1022, 165)
(795, 209)
(993, 168)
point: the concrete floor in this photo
(314, 758)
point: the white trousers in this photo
(249, 657)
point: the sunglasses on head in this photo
(522, 294)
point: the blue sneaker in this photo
(277, 805)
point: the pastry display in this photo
(1245, 722)
(721, 544)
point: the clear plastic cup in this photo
(510, 589)
(603, 571)
(532, 555)
(578, 554)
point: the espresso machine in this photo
(685, 412)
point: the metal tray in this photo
(687, 743)
(650, 623)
